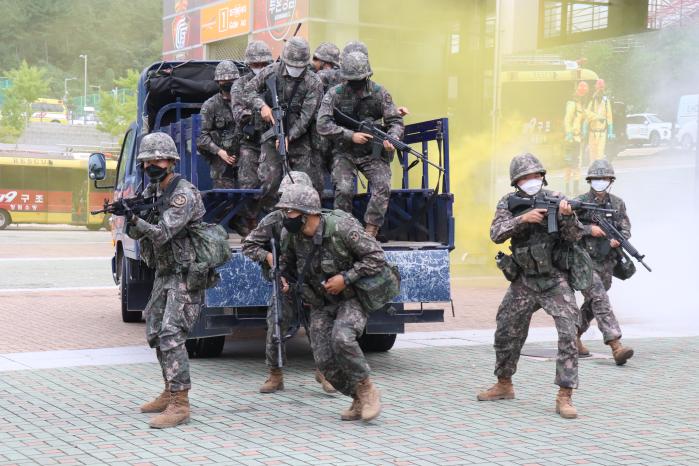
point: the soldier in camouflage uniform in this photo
(300, 92)
(605, 255)
(362, 99)
(539, 284)
(328, 252)
(173, 307)
(257, 247)
(219, 140)
(326, 62)
(257, 56)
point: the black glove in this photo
(117, 207)
(128, 213)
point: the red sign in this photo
(25, 201)
(181, 36)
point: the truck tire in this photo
(377, 342)
(5, 219)
(126, 315)
(654, 139)
(210, 347)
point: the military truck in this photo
(418, 234)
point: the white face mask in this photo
(256, 71)
(293, 71)
(600, 185)
(532, 186)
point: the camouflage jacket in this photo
(534, 249)
(256, 244)
(164, 243)
(330, 78)
(373, 103)
(250, 123)
(343, 248)
(218, 129)
(599, 248)
(300, 111)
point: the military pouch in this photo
(541, 253)
(624, 268)
(249, 133)
(376, 291)
(197, 276)
(507, 265)
(575, 260)
(525, 261)
(147, 252)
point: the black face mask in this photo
(155, 173)
(357, 85)
(225, 86)
(293, 225)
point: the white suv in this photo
(647, 128)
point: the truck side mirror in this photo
(97, 166)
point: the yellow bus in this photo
(50, 191)
(49, 111)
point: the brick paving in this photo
(643, 413)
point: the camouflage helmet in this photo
(296, 52)
(258, 51)
(355, 46)
(523, 165)
(355, 66)
(327, 52)
(600, 169)
(157, 146)
(226, 71)
(305, 199)
(299, 179)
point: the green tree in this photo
(28, 84)
(117, 111)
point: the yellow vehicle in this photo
(49, 111)
(50, 191)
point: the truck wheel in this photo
(5, 219)
(126, 315)
(211, 347)
(654, 139)
(377, 342)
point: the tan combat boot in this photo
(354, 413)
(503, 390)
(582, 349)
(621, 353)
(274, 382)
(564, 403)
(369, 399)
(371, 229)
(176, 413)
(159, 404)
(327, 386)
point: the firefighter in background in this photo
(599, 123)
(573, 123)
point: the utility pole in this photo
(84, 57)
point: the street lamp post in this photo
(65, 94)
(84, 57)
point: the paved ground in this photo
(644, 413)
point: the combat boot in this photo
(327, 386)
(371, 229)
(274, 382)
(176, 413)
(503, 390)
(159, 404)
(369, 399)
(621, 353)
(354, 413)
(582, 349)
(564, 403)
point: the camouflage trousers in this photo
(248, 176)
(271, 170)
(170, 314)
(222, 175)
(288, 319)
(376, 170)
(513, 318)
(334, 332)
(597, 306)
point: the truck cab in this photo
(417, 237)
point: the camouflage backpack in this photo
(574, 259)
(210, 243)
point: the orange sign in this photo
(224, 20)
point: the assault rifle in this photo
(137, 204)
(379, 136)
(277, 128)
(277, 338)
(612, 233)
(519, 205)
